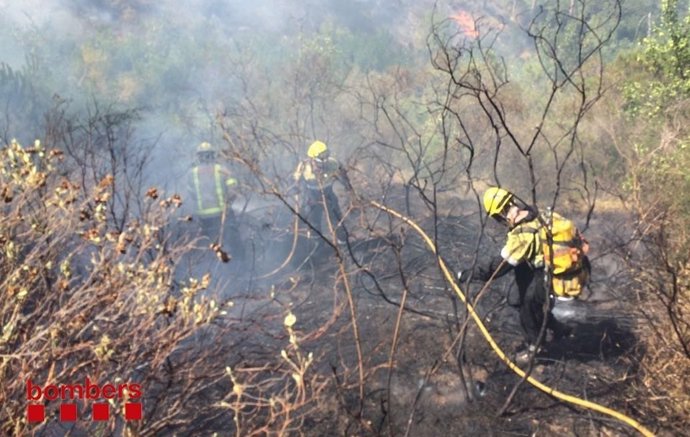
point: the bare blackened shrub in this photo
(101, 143)
(466, 127)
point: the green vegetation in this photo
(581, 105)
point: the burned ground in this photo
(436, 384)
(305, 337)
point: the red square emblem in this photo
(35, 413)
(133, 411)
(100, 411)
(68, 412)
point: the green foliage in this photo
(665, 57)
(656, 97)
(351, 80)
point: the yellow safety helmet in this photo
(204, 147)
(495, 200)
(205, 152)
(316, 149)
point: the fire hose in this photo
(496, 348)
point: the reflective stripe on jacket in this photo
(210, 186)
(318, 176)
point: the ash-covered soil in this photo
(440, 382)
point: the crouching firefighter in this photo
(315, 177)
(213, 189)
(548, 257)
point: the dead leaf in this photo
(152, 193)
(106, 181)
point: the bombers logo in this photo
(69, 393)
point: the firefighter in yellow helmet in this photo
(315, 177)
(522, 254)
(212, 189)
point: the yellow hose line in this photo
(546, 389)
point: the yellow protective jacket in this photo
(211, 186)
(524, 244)
(320, 175)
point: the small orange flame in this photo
(466, 23)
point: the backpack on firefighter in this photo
(565, 255)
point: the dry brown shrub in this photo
(82, 298)
(665, 367)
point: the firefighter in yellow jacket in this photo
(523, 254)
(315, 177)
(212, 189)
